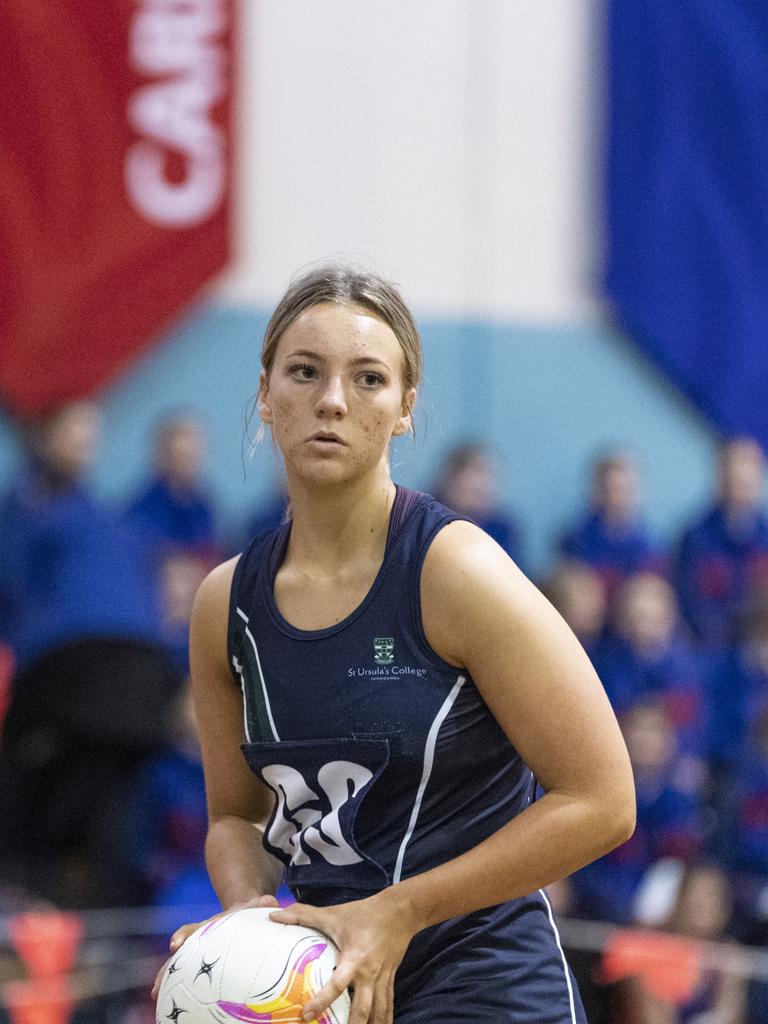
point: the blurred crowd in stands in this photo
(101, 790)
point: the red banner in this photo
(115, 182)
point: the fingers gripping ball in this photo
(244, 967)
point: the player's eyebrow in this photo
(305, 353)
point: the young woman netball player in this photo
(398, 687)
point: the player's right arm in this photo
(239, 805)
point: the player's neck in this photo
(337, 526)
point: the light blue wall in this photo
(546, 398)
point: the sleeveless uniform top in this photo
(384, 759)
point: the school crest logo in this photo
(383, 650)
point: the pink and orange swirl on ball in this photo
(286, 1007)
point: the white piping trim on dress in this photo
(429, 753)
(249, 634)
(562, 956)
(239, 670)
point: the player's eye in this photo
(303, 371)
(371, 379)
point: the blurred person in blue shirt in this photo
(467, 481)
(648, 656)
(612, 536)
(577, 593)
(723, 555)
(70, 566)
(175, 508)
(738, 686)
(745, 817)
(165, 820)
(269, 515)
(93, 680)
(670, 817)
(180, 576)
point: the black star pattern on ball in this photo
(206, 968)
(172, 969)
(176, 1012)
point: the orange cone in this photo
(47, 941)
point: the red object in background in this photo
(115, 183)
(7, 668)
(669, 966)
(39, 1002)
(47, 941)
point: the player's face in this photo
(335, 396)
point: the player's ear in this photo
(404, 422)
(265, 409)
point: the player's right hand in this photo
(181, 934)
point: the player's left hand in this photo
(372, 936)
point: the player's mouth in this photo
(324, 438)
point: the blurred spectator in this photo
(92, 681)
(745, 819)
(175, 509)
(467, 482)
(647, 657)
(269, 516)
(739, 688)
(165, 821)
(724, 553)
(71, 567)
(612, 536)
(59, 453)
(577, 593)
(180, 577)
(669, 817)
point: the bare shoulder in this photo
(463, 550)
(467, 579)
(211, 609)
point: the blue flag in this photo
(687, 197)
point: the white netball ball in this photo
(244, 967)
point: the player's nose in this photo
(332, 400)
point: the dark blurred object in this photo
(83, 720)
(723, 555)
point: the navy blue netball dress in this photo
(385, 762)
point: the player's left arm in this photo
(481, 614)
